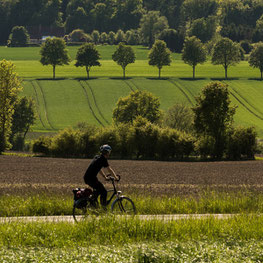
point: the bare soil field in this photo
(27, 174)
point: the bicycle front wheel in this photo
(123, 205)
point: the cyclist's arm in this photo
(111, 171)
(103, 174)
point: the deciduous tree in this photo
(193, 52)
(24, 116)
(159, 55)
(123, 56)
(53, 52)
(179, 117)
(256, 58)
(10, 85)
(213, 115)
(226, 53)
(87, 56)
(19, 37)
(138, 103)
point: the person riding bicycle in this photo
(95, 168)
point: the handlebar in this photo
(111, 178)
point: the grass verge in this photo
(110, 230)
(208, 202)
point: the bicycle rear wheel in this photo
(123, 205)
(81, 209)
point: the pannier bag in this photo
(81, 193)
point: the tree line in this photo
(225, 52)
(238, 20)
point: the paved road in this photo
(141, 217)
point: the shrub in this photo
(108, 135)
(42, 145)
(89, 146)
(167, 142)
(241, 143)
(125, 135)
(185, 146)
(259, 149)
(204, 146)
(67, 143)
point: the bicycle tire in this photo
(123, 205)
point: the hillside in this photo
(64, 103)
(71, 98)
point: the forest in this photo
(239, 20)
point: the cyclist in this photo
(95, 168)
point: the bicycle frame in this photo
(115, 192)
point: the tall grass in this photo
(118, 231)
(43, 205)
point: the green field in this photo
(71, 99)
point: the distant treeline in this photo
(236, 19)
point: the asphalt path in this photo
(57, 219)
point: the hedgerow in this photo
(144, 140)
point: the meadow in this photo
(71, 98)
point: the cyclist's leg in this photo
(100, 189)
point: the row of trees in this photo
(141, 130)
(235, 19)
(225, 53)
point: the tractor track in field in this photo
(95, 101)
(136, 86)
(252, 111)
(129, 85)
(91, 109)
(45, 105)
(184, 93)
(38, 110)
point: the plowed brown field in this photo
(22, 174)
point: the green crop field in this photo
(71, 98)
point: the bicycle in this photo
(89, 203)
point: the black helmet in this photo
(105, 149)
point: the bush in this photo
(108, 135)
(125, 135)
(204, 146)
(68, 143)
(185, 146)
(241, 143)
(42, 145)
(167, 142)
(89, 146)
